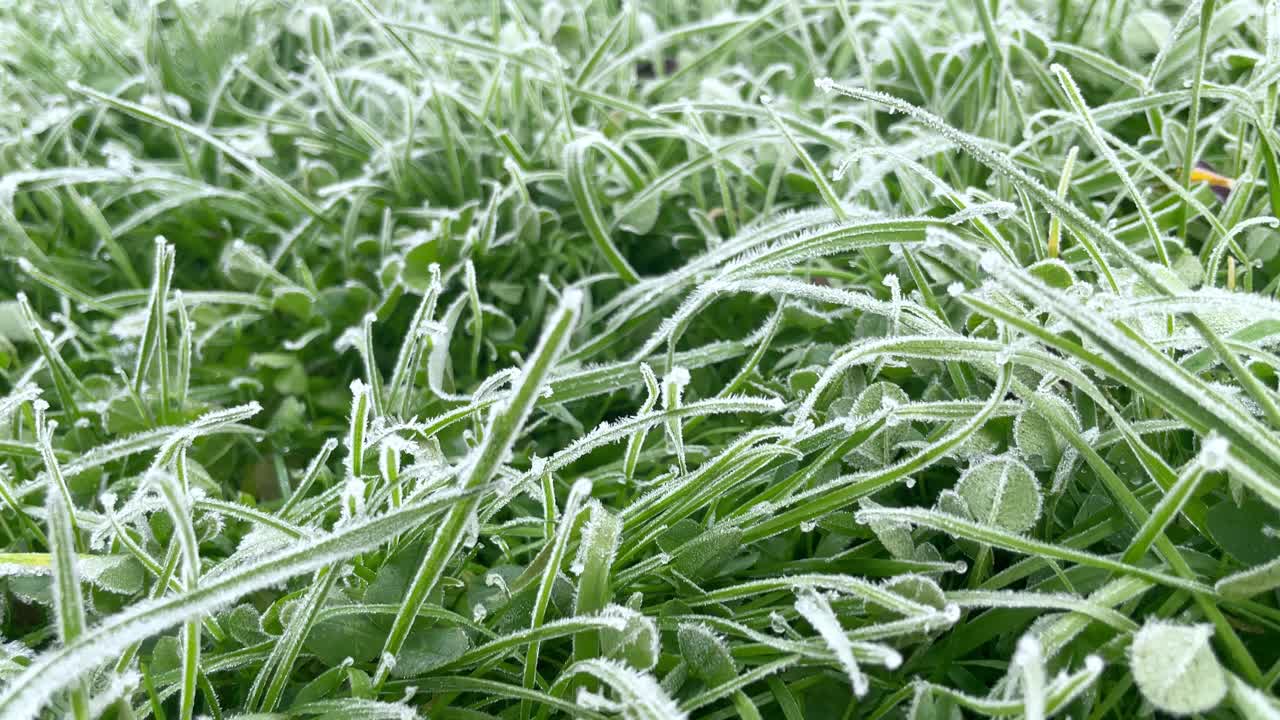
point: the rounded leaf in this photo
(918, 588)
(896, 537)
(1037, 440)
(706, 554)
(1176, 669)
(706, 653)
(1054, 273)
(428, 649)
(950, 502)
(881, 449)
(1002, 492)
(638, 644)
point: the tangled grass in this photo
(794, 359)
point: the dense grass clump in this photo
(516, 359)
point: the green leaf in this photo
(706, 554)
(244, 624)
(882, 448)
(1039, 443)
(896, 537)
(1239, 529)
(1054, 273)
(1175, 668)
(428, 649)
(1003, 493)
(594, 565)
(637, 644)
(355, 637)
(706, 653)
(1254, 581)
(120, 574)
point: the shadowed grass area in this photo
(801, 359)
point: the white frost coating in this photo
(471, 532)
(815, 608)
(358, 428)
(951, 613)
(611, 432)
(493, 579)
(1231, 413)
(588, 700)
(778, 623)
(678, 377)
(598, 530)
(1175, 668)
(1252, 703)
(998, 208)
(207, 423)
(1042, 601)
(24, 393)
(639, 694)
(362, 708)
(1030, 659)
(890, 658)
(891, 281)
(537, 466)
(572, 298)
(825, 84)
(120, 686)
(352, 499)
(955, 289)
(1215, 453)
(991, 262)
(58, 667)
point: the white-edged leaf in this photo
(1003, 493)
(59, 667)
(1175, 668)
(1247, 583)
(814, 607)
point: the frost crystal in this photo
(1215, 453)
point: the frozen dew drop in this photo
(778, 623)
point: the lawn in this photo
(524, 359)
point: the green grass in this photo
(795, 359)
